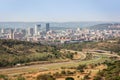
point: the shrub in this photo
(69, 78)
(45, 77)
(20, 78)
(3, 77)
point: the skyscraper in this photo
(37, 29)
(2, 30)
(30, 31)
(47, 27)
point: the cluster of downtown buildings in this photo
(37, 34)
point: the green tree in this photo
(81, 68)
(69, 78)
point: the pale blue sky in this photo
(59, 10)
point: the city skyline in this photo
(59, 10)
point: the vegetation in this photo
(3, 77)
(81, 68)
(86, 77)
(88, 56)
(112, 45)
(45, 77)
(69, 78)
(78, 46)
(15, 52)
(20, 78)
(111, 73)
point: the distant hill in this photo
(107, 26)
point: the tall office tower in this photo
(11, 33)
(47, 27)
(37, 29)
(78, 30)
(30, 31)
(2, 30)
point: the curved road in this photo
(42, 67)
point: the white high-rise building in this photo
(30, 31)
(2, 30)
(37, 29)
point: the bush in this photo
(81, 68)
(97, 78)
(86, 77)
(69, 78)
(111, 73)
(70, 73)
(20, 78)
(3, 77)
(63, 72)
(45, 77)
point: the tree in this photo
(69, 78)
(81, 68)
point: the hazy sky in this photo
(59, 10)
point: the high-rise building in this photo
(11, 33)
(37, 29)
(47, 27)
(30, 31)
(2, 30)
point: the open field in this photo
(77, 75)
